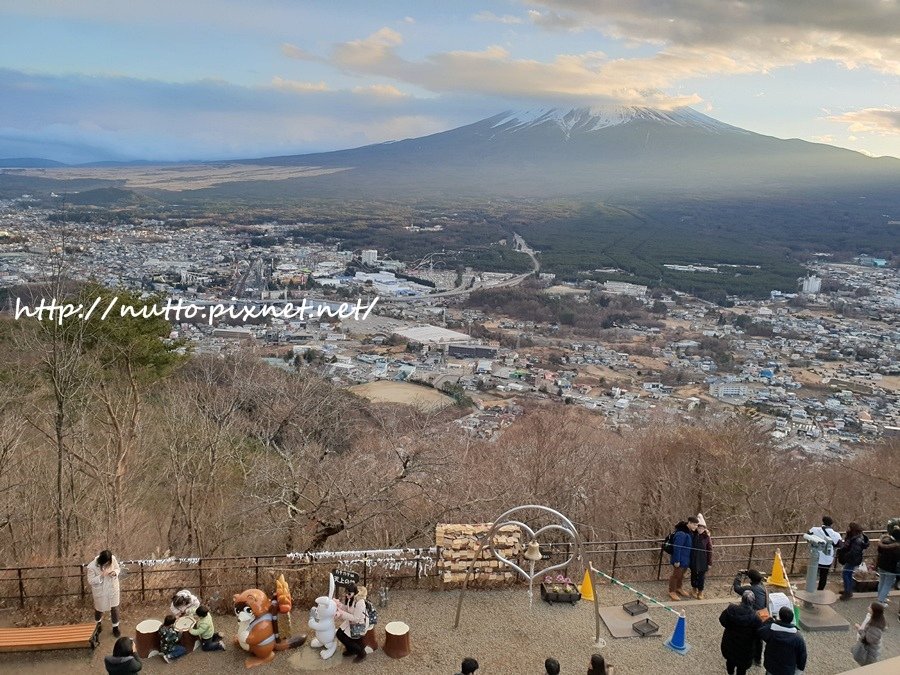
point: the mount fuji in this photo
(606, 151)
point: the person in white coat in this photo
(103, 578)
(826, 557)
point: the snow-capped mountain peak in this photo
(586, 120)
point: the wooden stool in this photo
(396, 639)
(146, 637)
(370, 639)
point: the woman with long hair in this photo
(103, 578)
(868, 647)
(850, 555)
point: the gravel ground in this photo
(502, 632)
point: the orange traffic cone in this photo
(587, 588)
(778, 577)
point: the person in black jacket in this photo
(850, 555)
(760, 601)
(124, 658)
(741, 624)
(785, 649)
(701, 558)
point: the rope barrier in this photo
(634, 590)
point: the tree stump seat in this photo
(396, 639)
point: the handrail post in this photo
(750, 557)
(256, 567)
(143, 585)
(615, 558)
(21, 588)
(659, 564)
(81, 581)
(568, 555)
(200, 571)
(794, 553)
(365, 569)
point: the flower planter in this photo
(557, 592)
(865, 582)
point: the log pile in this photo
(458, 546)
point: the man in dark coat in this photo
(741, 624)
(682, 543)
(785, 649)
(760, 601)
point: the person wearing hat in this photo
(741, 624)
(701, 557)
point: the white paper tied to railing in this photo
(392, 560)
(154, 562)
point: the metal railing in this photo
(632, 560)
(153, 578)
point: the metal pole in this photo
(21, 588)
(615, 558)
(750, 557)
(465, 585)
(81, 581)
(256, 565)
(659, 565)
(200, 570)
(143, 587)
(365, 569)
(794, 553)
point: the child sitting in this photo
(169, 640)
(210, 641)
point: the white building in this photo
(729, 390)
(810, 285)
(370, 256)
(624, 288)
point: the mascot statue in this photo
(321, 620)
(258, 629)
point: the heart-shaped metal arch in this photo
(533, 536)
(564, 525)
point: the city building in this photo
(369, 256)
(810, 285)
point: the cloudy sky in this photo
(84, 80)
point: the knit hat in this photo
(748, 597)
(701, 520)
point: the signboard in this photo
(344, 577)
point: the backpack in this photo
(370, 611)
(668, 545)
(842, 554)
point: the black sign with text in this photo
(344, 577)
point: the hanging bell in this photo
(533, 552)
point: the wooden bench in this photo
(39, 638)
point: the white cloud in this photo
(589, 77)
(295, 52)
(763, 34)
(881, 121)
(490, 17)
(382, 90)
(206, 119)
(294, 85)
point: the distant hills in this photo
(28, 163)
